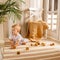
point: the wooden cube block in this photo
(27, 48)
(18, 52)
(43, 44)
(52, 44)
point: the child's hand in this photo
(11, 42)
(13, 47)
(17, 43)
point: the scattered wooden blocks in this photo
(36, 44)
(52, 44)
(18, 52)
(32, 45)
(27, 48)
(43, 44)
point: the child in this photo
(16, 39)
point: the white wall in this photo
(1, 25)
(26, 5)
(1, 32)
(36, 4)
(59, 19)
(2, 1)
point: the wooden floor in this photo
(34, 53)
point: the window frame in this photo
(46, 11)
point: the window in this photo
(52, 14)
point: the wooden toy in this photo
(52, 44)
(18, 52)
(23, 43)
(31, 44)
(43, 44)
(36, 44)
(27, 48)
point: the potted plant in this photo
(9, 7)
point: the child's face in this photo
(14, 31)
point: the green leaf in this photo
(10, 6)
(1, 6)
(18, 14)
(22, 1)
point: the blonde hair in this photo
(17, 26)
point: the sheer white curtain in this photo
(36, 7)
(36, 4)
